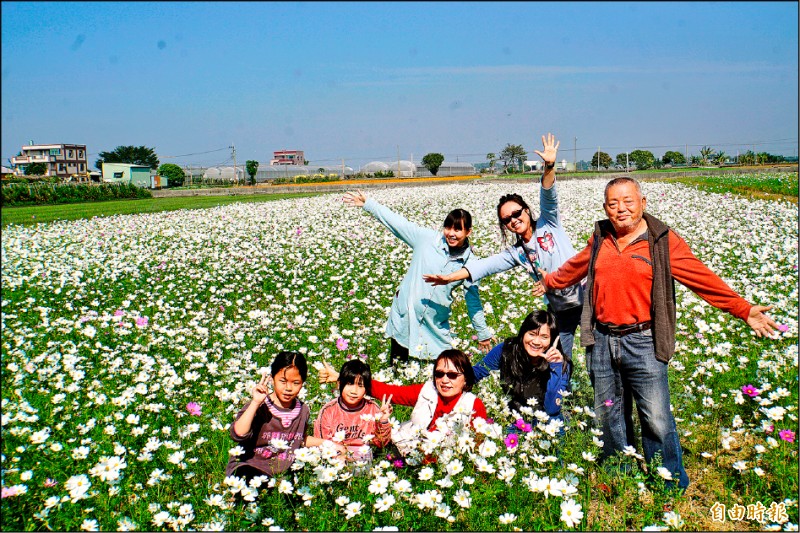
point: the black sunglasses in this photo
(513, 215)
(439, 374)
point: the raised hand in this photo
(357, 199)
(553, 355)
(385, 409)
(327, 373)
(261, 389)
(550, 150)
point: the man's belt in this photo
(621, 331)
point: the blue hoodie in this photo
(420, 314)
(549, 246)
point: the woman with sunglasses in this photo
(538, 242)
(448, 393)
(531, 366)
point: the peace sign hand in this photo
(261, 389)
(385, 409)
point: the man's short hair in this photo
(622, 181)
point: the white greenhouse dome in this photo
(375, 166)
(223, 173)
(406, 168)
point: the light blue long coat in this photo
(420, 314)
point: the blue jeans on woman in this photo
(627, 366)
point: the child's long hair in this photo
(512, 197)
(353, 370)
(515, 363)
(290, 360)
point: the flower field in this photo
(129, 343)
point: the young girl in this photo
(418, 323)
(273, 426)
(447, 393)
(355, 415)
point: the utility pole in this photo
(413, 166)
(575, 154)
(233, 154)
(343, 168)
(627, 163)
(398, 161)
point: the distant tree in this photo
(36, 169)
(492, 158)
(432, 162)
(695, 160)
(673, 158)
(136, 155)
(762, 158)
(657, 163)
(174, 174)
(643, 158)
(720, 158)
(623, 160)
(747, 158)
(305, 161)
(601, 159)
(706, 153)
(513, 154)
(252, 168)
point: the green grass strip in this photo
(48, 213)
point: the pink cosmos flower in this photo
(50, 483)
(341, 343)
(119, 312)
(142, 321)
(523, 426)
(783, 328)
(750, 390)
(299, 230)
(398, 463)
(786, 435)
(9, 491)
(193, 408)
(511, 440)
(608, 403)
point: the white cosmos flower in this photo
(571, 513)
(507, 518)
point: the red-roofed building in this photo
(288, 157)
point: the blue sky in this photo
(362, 81)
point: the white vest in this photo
(406, 434)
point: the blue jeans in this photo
(625, 368)
(567, 322)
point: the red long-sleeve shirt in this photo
(623, 279)
(408, 395)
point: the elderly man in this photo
(628, 321)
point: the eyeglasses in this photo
(439, 374)
(513, 215)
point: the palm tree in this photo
(706, 152)
(720, 158)
(492, 158)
